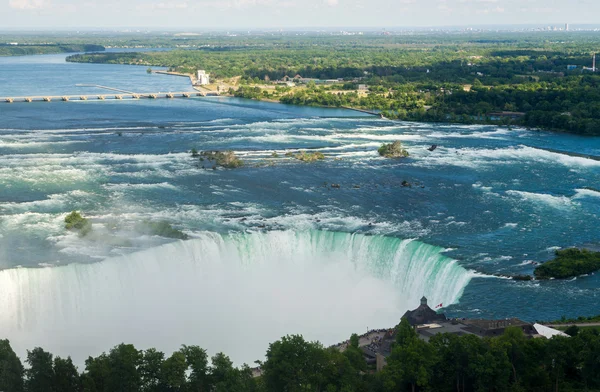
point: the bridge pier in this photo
(65, 99)
(152, 96)
(101, 97)
(10, 100)
(47, 99)
(28, 99)
(186, 95)
(118, 97)
(83, 98)
(135, 96)
(169, 95)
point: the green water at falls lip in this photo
(273, 283)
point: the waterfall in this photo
(233, 293)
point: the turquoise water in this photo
(487, 200)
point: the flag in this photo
(439, 306)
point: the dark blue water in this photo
(495, 198)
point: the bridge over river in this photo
(117, 94)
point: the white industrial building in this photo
(203, 78)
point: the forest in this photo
(26, 50)
(541, 81)
(447, 362)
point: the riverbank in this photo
(16, 49)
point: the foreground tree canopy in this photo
(510, 362)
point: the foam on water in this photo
(484, 158)
(324, 285)
(585, 193)
(559, 202)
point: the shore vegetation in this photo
(33, 49)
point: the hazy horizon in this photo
(289, 14)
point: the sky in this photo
(231, 14)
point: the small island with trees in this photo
(77, 223)
(569, 263)
(393, 150)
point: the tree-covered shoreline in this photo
(488, 79)
(446, 362)
(35, 49)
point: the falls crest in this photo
(233, 293)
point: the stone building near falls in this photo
(428, 323)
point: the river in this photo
(274, 249)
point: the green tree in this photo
(123, 363)
(491, 368)
(561, 359)
(590, 358)
(173, 373)
(405, 333)
(11, 369)
(224, 377)
(66, 376)
(514, 339)
(535, 376)
(355, 354)
(197, 362)
(340, 374)
(409, 364)
(453, 355)
(573, 330)
(294, 364)
(40, 375)
(150, 369)
(96, 374)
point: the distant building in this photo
(593, 69)
(363, 87)
(571, 67)
(566, 27)
(202, 78)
